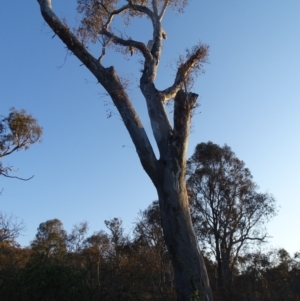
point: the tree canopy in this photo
(228, 212)
(18, 131)
(140, 271)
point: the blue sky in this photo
(86, 167)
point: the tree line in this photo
(228, 214)
(114, 265)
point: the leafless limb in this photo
(194, 60)
(10, 227)
(163, 10)
(128, 43)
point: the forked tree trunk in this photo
(191, 279)
(167, 173)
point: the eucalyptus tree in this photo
(18, 131)
(10, 228)
(51, 239)
(167, 172)
(227, 210)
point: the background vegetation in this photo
(228, 215)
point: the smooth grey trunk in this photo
(168, 172)
(191, 280)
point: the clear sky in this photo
(86, 167)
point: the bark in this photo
(226, 274)
(168, 172)
(191, 280)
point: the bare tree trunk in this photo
(227, 283)
(191, 280)
(191, 277)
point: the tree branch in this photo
(155, 8)
(157, 34)
(163, 10)
(8, 151)
(142, 9)
(129, 43)
(194, 60)
(108, 78)
(4, 171)
(184, 104)
(10, 227)
(138, 8)
(113, 13)
(14, 177)
(104, 43)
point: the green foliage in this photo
(140, 271)
(18, 131)
(227, 210)
(51, 239)
(113, 266)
